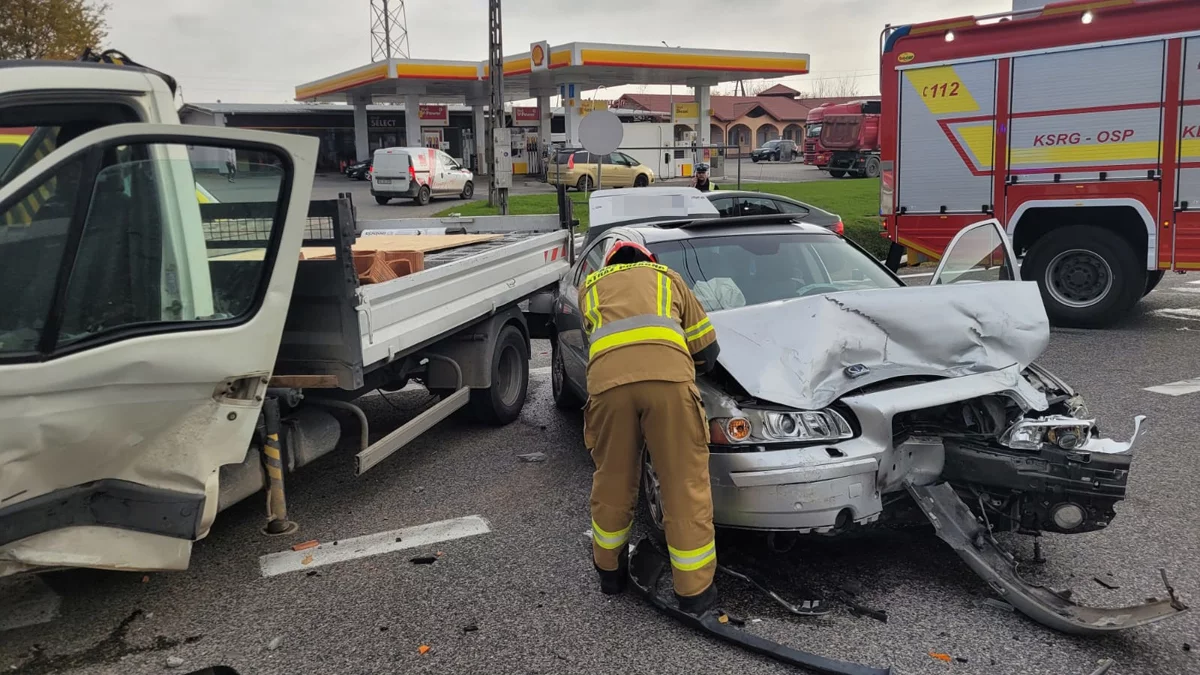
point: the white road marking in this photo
(371, 545)
(1195, 282)
(544, 370)
(1177, 388)
(28, 601)
(1184, 314)
(1182, 289)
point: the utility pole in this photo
(500, 181)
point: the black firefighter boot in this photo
(613, 582)
(699, 605)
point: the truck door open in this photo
(137, 336)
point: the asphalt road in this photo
(523, 597)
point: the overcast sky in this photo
(257, 51)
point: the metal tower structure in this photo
(389, 30)
(497, 196)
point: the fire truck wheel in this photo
(1089, 276)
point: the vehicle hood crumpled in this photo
(802, 352)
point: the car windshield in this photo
(735, 271)
(770, 144)
(814, 130)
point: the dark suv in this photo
(780, 149)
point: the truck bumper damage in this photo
(957, 526)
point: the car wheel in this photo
(651, 501)
(565, 397)
(837, 173)
(753, 159)
(381, 200)
(1089, 276)
(468, 191)
(422, 195)
(584, 184)
(642, 180)
(501, 403)
(872, 169)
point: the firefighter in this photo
(701, 181)
(649, 337)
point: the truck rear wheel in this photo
(872, 169)
(501, 403)
(1089, 276)
(837, 173)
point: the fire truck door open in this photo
(946, 132)
(1187, 195)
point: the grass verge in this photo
(856, 200)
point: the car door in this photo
(571, 337)
(139, 335)
(979, 252)
(726, 206)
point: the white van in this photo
(418, 174)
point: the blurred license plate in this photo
(383, 181)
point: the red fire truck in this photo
(1077, 125)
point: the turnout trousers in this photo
(668, 418)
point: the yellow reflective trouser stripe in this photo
(688, 561)
(610, 540)
(633, 335)
(699, 330)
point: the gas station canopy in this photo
(543, 69)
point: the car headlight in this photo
(1067, 433)
(772, 426)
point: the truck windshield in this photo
(739, 270)
(814, 130)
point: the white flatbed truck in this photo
(165, 352)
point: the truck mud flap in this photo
(646, 567)
(957, 526)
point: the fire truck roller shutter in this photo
(946, 130)
(1187, 222)
(1080, 112)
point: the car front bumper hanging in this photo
(957, 526)
(647, 565)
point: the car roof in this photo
(769, 195)
(724, 227)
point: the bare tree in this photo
(834, 87)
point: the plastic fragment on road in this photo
(311, 543)
(533, 457)
(274, 643)
(306, 559)
(145, 578)
(423, 649)
(940, 656)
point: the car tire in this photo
(584, 184)
(381, 200)
(872, 168)
(468, 191)
(422, 197)
(837, 173)
(501, 403)
(1085, 285)
(754, 159)
(565, 397)
(650, 501)
(642, 180)
(1152, 280)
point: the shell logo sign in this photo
(539, 56)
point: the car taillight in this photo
(839, 228)
(371, 169)
(412, 171)
(571, 162)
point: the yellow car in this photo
(581, 169)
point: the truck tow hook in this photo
(646, 567)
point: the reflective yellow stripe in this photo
(699, 325)
(688, 561)
(610, 540)
(610, 269)
(277, 474)
(633, 335)
(592, 308)
(664, 295)
(703, 328)
(659, 298)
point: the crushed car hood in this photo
(808, 352)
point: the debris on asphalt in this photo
(996, 604)
(419, 489)
(145, 578)
(470, 628)
(397, 540)
(423, 649)
(533, 457)
(1187, 646)
(809, 607)
(961, 659)
(383, 629)
(174, 662)
(844, 596)
(312, 573)
(274, 643)
(940, 656)
(1102, 582)
(311, 543)
(306, 559)
(1105, 664)
(423, 559)
(440, 553)
(149, 615)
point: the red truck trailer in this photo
(1077, 125)
(850, 139)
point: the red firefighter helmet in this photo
(625, 252)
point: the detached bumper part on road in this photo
(958, 527)
(646, 567)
